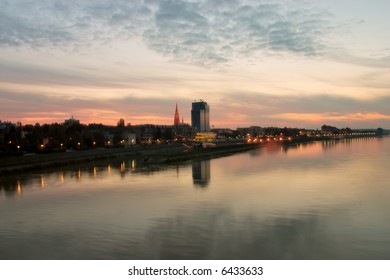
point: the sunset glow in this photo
(267, 63)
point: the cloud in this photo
(332, 117)
(208, 32)
(231, 110)
(203, 32)
(320, 103)
(29, 107)
(24, 24)
(342, 55)
(245, 109)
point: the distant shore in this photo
(146, 154)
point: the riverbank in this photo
(149, 154)
(201, 153)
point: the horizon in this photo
(232, 128)
(274, 63)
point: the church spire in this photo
(176, 121)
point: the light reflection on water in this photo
(323, 200)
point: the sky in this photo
(294, 63)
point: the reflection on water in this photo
(322, 200)
(13, 184)
(201, 172)
(42, 182)
(18, 186)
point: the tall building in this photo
(176, 121)
(200, 117)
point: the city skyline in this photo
(267, 63)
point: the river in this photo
(320, 200)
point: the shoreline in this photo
(153, 154)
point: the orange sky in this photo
(301, 64)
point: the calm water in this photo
(326, 200)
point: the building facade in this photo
(200, 117)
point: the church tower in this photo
(177, 118)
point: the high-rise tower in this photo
(200, 117)
(176, 121)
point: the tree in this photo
(121, 123)
(379, 131)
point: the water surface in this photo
(323, 200)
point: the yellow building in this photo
(205, 137)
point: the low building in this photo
(205, 137)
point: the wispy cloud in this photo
(254, 109)
(87, 56)
(344, 56)
(29, 107)
(332, 116)
(320, 103)
(201, 32)
(294, 110)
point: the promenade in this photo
(148, 154)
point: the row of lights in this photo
(260, 140)
(62, 145)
